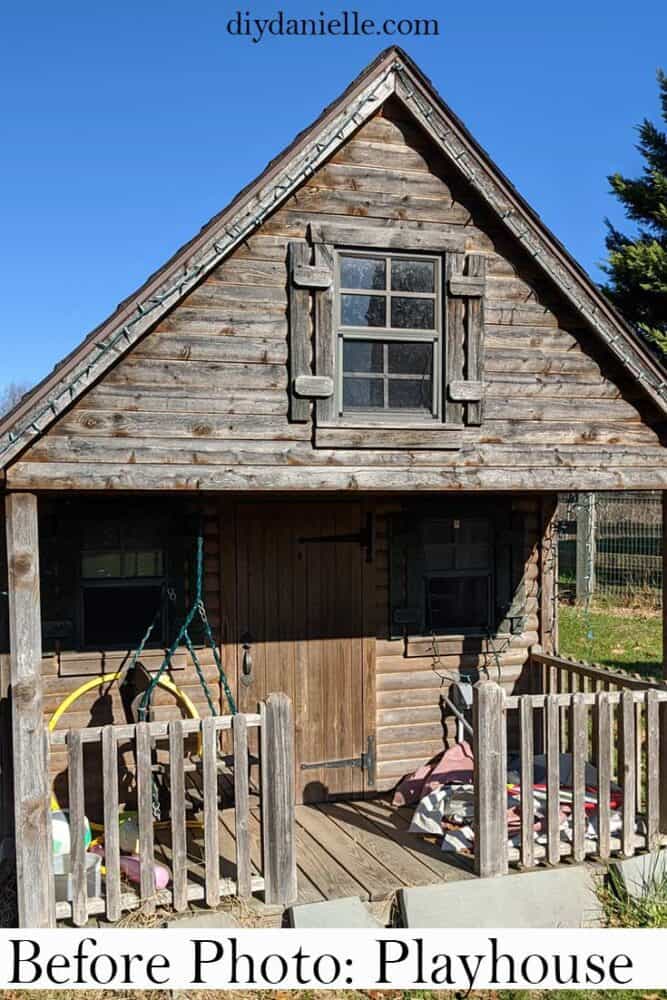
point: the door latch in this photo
(366, 761)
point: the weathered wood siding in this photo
(411, 721)
(202, 402)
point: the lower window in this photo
(117, 615)
(458, 603)
(387, 375)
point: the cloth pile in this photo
(442, 793)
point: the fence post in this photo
(30, 745)
(277, 779)
(490, 779)
(585, 547)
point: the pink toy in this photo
(130, 865)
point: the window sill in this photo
(452, 644)
(94, 663)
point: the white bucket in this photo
(62, 872)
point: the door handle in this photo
(246, 662)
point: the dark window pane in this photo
(438, 538)
(363, 310)
(362, 393)
(98, 565)
(362, 355)
(412, 275)
(362, 272)
(474, 545)
(117, 616)
(410, 393)
(412, 314)
(410, 359)
(457, 602)
(101, 534)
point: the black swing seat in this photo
(134, 686)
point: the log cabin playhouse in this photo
(358, 389)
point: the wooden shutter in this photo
(466, 280)
(305, 281)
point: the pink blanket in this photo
(454, 766)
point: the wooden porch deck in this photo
(343, 849)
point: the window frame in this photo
(386, 416)
(408, 617)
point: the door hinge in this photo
(365, 761)
(365, 538)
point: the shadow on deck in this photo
(343, 849)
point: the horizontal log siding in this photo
(201, 402)
(410, 727)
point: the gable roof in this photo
(391, 73)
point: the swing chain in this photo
(197, 607)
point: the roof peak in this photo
(391, 73)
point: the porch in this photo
(343, 849)
(287, 799)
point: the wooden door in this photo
(300, 630)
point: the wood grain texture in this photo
(145, 811)
(490, 780)
(36, 907)
(242, 807)
(552, 732)
(112, 885)
(526, 737)
(77, 821)
(213, 375)
(604, 738)
(278, 822)
(210, 794)
(179, 866)
(299, 328)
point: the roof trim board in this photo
(392, 73)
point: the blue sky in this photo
(125, 126)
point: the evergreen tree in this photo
(637, 265)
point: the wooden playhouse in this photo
(358, 390)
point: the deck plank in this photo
(307, 892)
(330, 878)
(394, 823)
(406, 868)
(363, 867)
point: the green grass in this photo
(623, 910)
(623, 638)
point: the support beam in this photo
(548, 630)
(31, 785)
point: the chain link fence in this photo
(610, 547)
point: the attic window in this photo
(389, 324)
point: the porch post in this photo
(31, 785)
(490, 779)
(548, 609)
